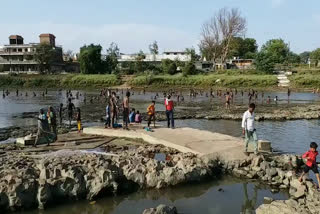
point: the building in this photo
(241, 63)
(19, 57)
(178, 55)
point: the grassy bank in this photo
(58, 81)
(306, 78)
(206, 81)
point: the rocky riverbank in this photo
(40, 179)
(30, 180)
(280, 172)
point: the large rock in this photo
(161, 209)
(280, 207)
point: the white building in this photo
(177, 55)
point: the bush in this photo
(250, 81)
(189, 69)
(169, 67)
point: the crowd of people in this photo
(115, 107)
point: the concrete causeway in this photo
(202, 143)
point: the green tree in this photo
(45, 55)
(273, 52)
(90, 59)
(243, 48)
(154, 48)
(192, 52)
(189, 69)
(111, 63)
(315, 56)
(169, 66)
(304, 56)
(293, 58)
(140, 65)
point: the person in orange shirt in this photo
(151, 114)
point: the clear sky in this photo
(175, 24)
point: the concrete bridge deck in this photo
(183, 139)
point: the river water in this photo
(224, 196)
(236, 196)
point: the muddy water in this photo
(217, 197)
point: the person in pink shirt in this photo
(311, 164)
(138, 117)
(169, 111)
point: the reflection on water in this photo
(288, 136)
(225, 196)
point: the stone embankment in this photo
(29, 181)
(280, 173)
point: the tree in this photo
(192, 52)
(274, 51)
(219, 31)
(243, 48)
(305, 56)
(293, 58)
(90, 59)
(315, 56)
(69, 55)
(189, 69)
(169, 66)
(111, 63)
(140, 65)
(45, 55)
(154, 49)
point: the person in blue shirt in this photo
(132, 116)
(108, 116)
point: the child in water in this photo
(79, 119)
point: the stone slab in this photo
(200, 142)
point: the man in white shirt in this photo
(248, 129)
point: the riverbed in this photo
(286, 136)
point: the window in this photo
(20, 50)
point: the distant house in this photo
(171, 55)
(241, 63)
(20, 57)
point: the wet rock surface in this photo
(161, 209)
(29, 180)
(280, 172)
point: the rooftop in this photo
(47, 34)
(15, 37)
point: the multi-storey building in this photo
(20, 57)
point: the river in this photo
(235, 196)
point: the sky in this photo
(174, 24)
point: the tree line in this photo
(222, 38)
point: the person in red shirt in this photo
(169, 111)
(311, 164)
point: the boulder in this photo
(161, 209)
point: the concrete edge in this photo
(134, 134)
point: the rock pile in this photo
(280, 173)
(161, 209)
(28, 181)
